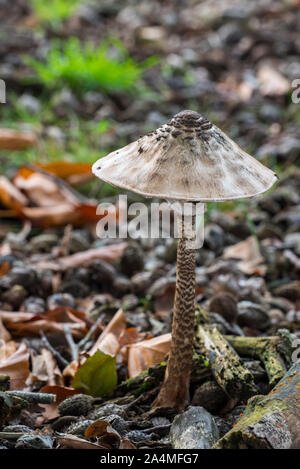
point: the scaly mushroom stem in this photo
(175, 389)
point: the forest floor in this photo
(79, 313)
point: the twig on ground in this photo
(54, 352)
(33, 397)
(71, 343)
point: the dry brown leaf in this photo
(147, 353)
(70, 370)
(7, 349)
(17, 367)
(62, 393)
(131, 335)
(109, 253)
(4, 334)
(67, 169)
(45, 369)
(44, 191)
(126, 444)
(97, 428)
(109, 340)
(251, 261)
(15, 140)
(51, 216)
(55, 202)
(74, 442)
(10, 196)
(105, 434)
(22, 324)
(164, 302)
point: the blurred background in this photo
(88, 76)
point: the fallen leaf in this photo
(126, 444)
(7, 349)
(251, 261)
(74, 442)
(17, 367)
(55, 202)
(164, 302)
(131, 335)
(109, 253)
(44, 191)
(10, 196)
(67, 169)
(4, 334)
(97, 376)
(61, 393)
(109, 340)
(15, 140)
(22, 324)
(57, 215)
(96, 428)
(71, 369)
(44, 369)
(147, 353)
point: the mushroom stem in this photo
(175, 389)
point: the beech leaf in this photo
(97, 376)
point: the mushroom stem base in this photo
(175, 389)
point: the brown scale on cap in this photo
(192, 120)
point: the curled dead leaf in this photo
(251, 261)
(44, 369)
(147, 353)
(16, 140)
(22, 324)
(97, 428)
(74, 442)
(61, 393)
(4, 334)
(10, 196)
(16, 366)
(126, 444)
(68, 170)
(109, 253)
(109, 340)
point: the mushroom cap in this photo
(186, 159)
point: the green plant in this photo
(84, 67)
(54, 12)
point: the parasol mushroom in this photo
(188, 159)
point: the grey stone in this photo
(293, 240)
(78, 241)
(79, 404)
(17, 429)
(44, 242)
(78, 428)
(33, 441)
(61, 299)
(34, 305)
(210, 396)
(29, 103)
(194, 429)
(253, 315)
(107, 410)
